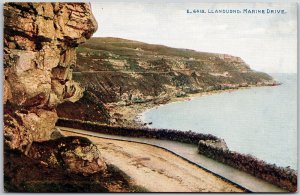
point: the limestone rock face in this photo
(39, 53)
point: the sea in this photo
(261, 121)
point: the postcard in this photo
(148, 96)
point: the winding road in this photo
(189, 153)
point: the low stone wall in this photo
(208, 145)
(283, 177)
(165, 134)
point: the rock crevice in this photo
(39, 53)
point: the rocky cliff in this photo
(39, 53)
(40, 41)
(123, 72)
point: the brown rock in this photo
(84, 160)
(6, 92)
(44, 10)
(17, 20)
(68, 58)
(39, 54)
(48, 57)
(16, 136)
(57, 87)
(21, 61)
(60, 73)
(40, 123)
(75, 154)
(54, 100)
(57, 133)
(75, 20)
(45, 28)
(24, 43)
(73, 92)
(29, 84)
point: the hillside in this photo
(125, 72)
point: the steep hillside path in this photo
(189, 153)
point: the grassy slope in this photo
(110, 68)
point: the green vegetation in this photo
(113, 69)
(122, 46)
(181, 80)
(133, 65)
(110, 64)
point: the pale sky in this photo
(267, 42)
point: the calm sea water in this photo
(261, 121)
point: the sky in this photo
(267, 42)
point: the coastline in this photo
(285, 178)
(132, 115)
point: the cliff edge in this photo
(120, 72)
(40, 41)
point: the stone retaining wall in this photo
(283, 177)
(166, 134)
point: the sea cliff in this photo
(40, 41)
(124, 77)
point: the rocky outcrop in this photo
(39, 54)
(26, 174)
(88, 108)
(75, 154)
